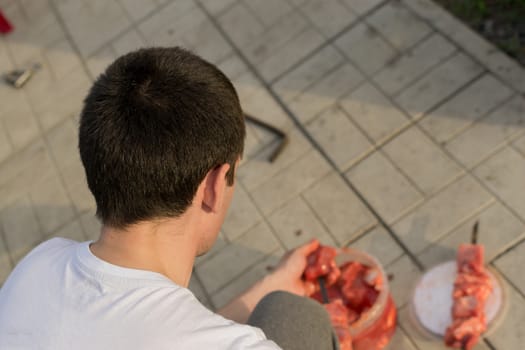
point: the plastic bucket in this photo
(376, 326)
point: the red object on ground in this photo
(472, 287)
(353, 292)
(5, 25)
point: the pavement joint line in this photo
(224, 10)
(423, 73)
(41, 231)
(316, 215)
(9, 140)
(362, 234)
(409, 49)
(258, 18)
(498, 148)
(405, 333)
(437, 105)
(461, 222)
(10, 57)
(54, 161)
(315, 145)
(278, 48)
(108, 44)
(452, 94)
(282, 169)
(134, 21)
(242, 272)
(327, 42)
(511, 145)
(507, 280)
(379, 149)
(314, 82)
(265, 218)
(476, 121)
(469, 170)
(382, 142)
(207, 295)
(489, 344)
(69, 37)
(6, 246)
(508, 249)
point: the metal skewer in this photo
(324, 292)
(474, 235)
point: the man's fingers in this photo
(309, 247)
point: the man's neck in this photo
(163, 247)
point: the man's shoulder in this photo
(55, 242)
(50, 246)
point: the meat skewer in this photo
(472, 287)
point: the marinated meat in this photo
(322, 263)
(472, 287)
(338, 312)
(340, 317)
(344, 337)
(352, 289)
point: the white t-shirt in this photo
(62, 297)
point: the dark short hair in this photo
(153, 125)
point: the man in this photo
(161, 134)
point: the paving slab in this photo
(236, 257)
(465, 108)
(329, 16)
(268, 12)
(511, 265)
(308, 72)
(413, 63)
(441, 213)
(339, 137)
(380, 244)
(438, 84)
(375, 114)
(363, 45)
(339, 208)
(421, 160)
(295, 223)
(388, 191)
(325, 92)
(399, 25)
(499, 230)
(498, 128)
(403, 275)
(501, 173)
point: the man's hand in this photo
(285, 277)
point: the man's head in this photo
(156, 125)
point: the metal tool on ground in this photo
(281, 134)
(17, 78)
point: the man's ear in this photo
(215, 184)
